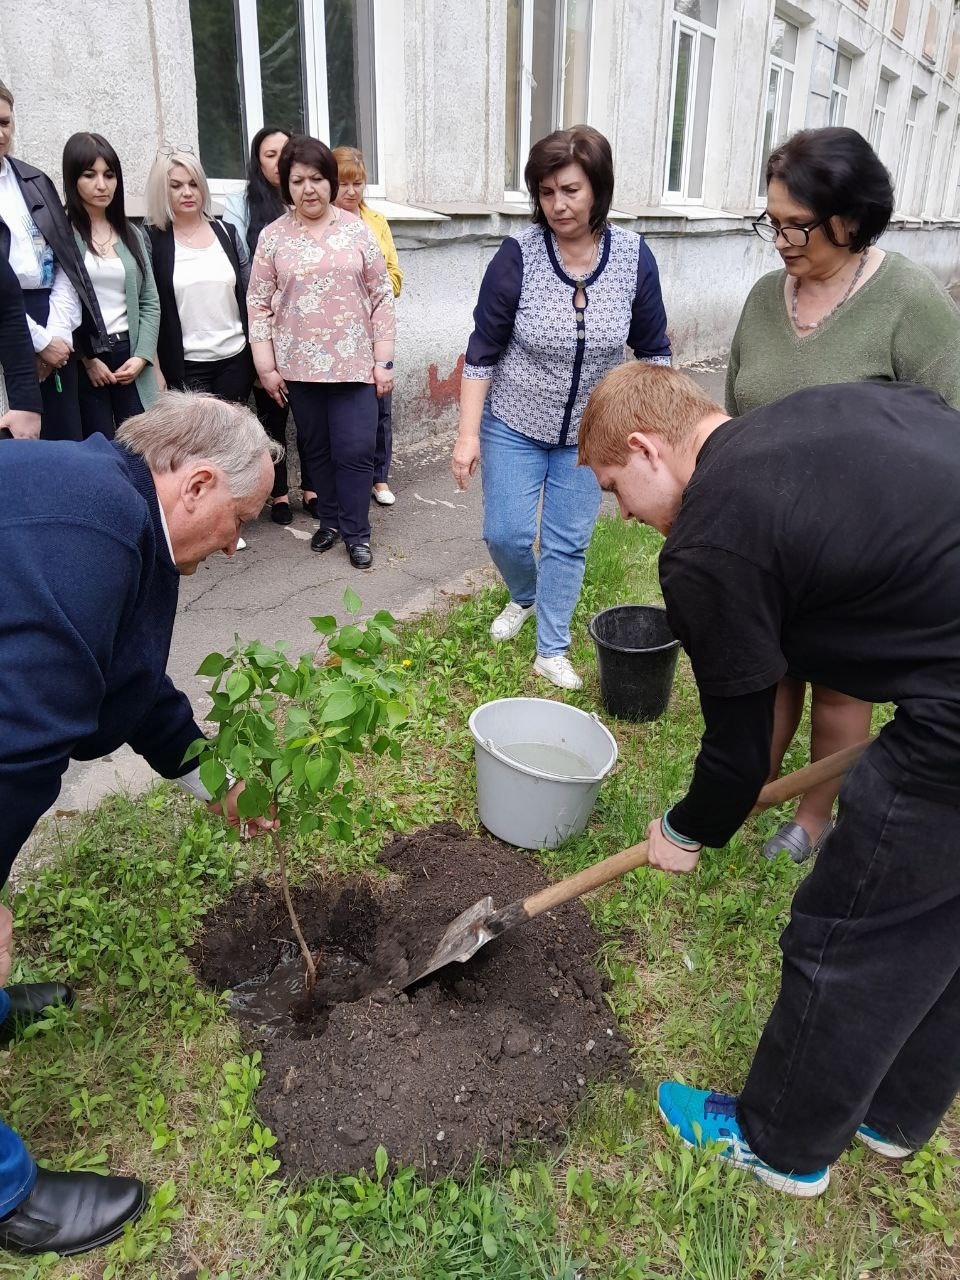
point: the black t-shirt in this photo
(821, 534)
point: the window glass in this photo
(698, 146)
(514, 71)
(216, 63)
(281, 64)
(704, 11)
(681, 102)
(576, 62)
(351, 90)
(543, 111)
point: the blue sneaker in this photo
(703, 1118)
(883, 1146)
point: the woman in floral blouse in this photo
(320, 305)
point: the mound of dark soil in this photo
(474, 1059)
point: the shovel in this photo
(480, 924)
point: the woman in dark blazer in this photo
(201, 268)
(36, 239)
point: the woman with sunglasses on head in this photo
(840, 310)
(352, 173)
(119, 382)
(250, 211)
(201, 268)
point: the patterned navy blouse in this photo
(543, 361)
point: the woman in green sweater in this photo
(841, 310)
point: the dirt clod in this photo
(473, 1060)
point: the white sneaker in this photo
(241, 545)
(883, 1146)
(558, 670)
(384, 497)
(508, 623)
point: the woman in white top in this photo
(201, 268)
(119, 381)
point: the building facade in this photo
(444, 97)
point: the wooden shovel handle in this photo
(618, 864)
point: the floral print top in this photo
(322, 302)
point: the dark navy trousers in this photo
(337, 436)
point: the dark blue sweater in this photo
(88, 595)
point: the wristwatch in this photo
(383, 364)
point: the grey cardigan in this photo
(143, 312)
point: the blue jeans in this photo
(516, 472)
(18, 1173)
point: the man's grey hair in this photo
(183, 427)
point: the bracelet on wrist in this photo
(675, 837)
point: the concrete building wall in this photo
(442, 80)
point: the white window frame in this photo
(878, 116)
(903, 193)
(931, 172)
(316, 105)
(681, 23)
(839, 94)
(525, 73)
(781, 66)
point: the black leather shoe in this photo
(310, 507)
(31, 1001)
(324, 539)
(361, 557)
(281, 513)
(70, 1213)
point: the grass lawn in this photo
(148, 1076)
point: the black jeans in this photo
(867, 1024)
(384, 450)
(104, 409)
(336, 435)
(230, 379)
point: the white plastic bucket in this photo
(524, 804)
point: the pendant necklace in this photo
(797, 324)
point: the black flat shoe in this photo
(70, 1213)
(281, 513)
(361, 557)
(310, 507)
(31, 1001)
(324, 539)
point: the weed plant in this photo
(148, 1075)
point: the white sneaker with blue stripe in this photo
(883, 1146)
(702, 1119)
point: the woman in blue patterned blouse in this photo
(558, 304)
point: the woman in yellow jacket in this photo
(352, 174)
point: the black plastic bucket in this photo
(636, 658)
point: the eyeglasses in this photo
(177, 149)
(797, 237)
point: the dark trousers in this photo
(273, 418)
(384, 450)
(229, 379)
(337, 435)
(104, 409)
(59, 390)
(867, 1024)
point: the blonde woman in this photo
(201, 268)
(352, 173)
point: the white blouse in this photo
(109, 280)
(204, 285)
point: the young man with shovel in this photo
(817, 535)
(91, 555)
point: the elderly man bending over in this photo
(90, 561)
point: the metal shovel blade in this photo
(461, 939)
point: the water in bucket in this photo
(547, 758)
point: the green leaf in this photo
(212, 665)
(308, 823)
(253, 801)
(349, 638)
(196, 748)
(318, 770)
(340, 704)
(326, 625)
(380, 1162)
(351, 601)
(489, 1245)
(396, 713)
(279, 772)
(238, 686)
(213, 775)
